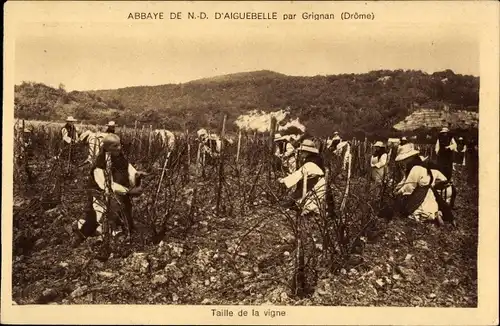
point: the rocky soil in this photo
(241, 259)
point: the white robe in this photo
(116, 187)
(207, 148)
(95, 141)
(65, 136)
(346, 161)
(167, 137)
(418, 175)
(379, 167)
(452, 146)
(314, 198)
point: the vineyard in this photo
(219, 233)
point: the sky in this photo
(97, 55)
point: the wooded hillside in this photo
(367, 102)
(39, 101)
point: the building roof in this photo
(429, 119)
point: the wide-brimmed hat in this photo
(71, 119)
(444, 130)
(111, 124)
(308, 146)
(405, 151)
(202, 132)
(379, 144)
(278, 137)
(404, 138)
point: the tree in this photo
(83, 112)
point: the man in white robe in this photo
(167, 138)
(378, 162)
(309, 179)
(415, 188)
(94, 141)
(341, 149)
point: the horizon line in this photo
(245, 72)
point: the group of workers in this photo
(94, 140)
(111, 184)
(425, 192)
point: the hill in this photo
(39, 101)
(240, 77)
(368, 102)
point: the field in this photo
(219, 234)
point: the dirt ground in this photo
(244, 259)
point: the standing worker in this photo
(461, 150)
(445, 146)
(111, 127)
(124, 184)
(378, 162)
(340, 149)
(26, 154)
(69, 138)
(68, 132)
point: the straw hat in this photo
(111, 124)
(202, 133)
(379, 144)
(406, 151)
(71, 119)
(279, 137)
(27, 130)
(308, 146)
(404, 138)
(444, 130)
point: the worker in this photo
(124, 183)
(313, 170)
(445, 148)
